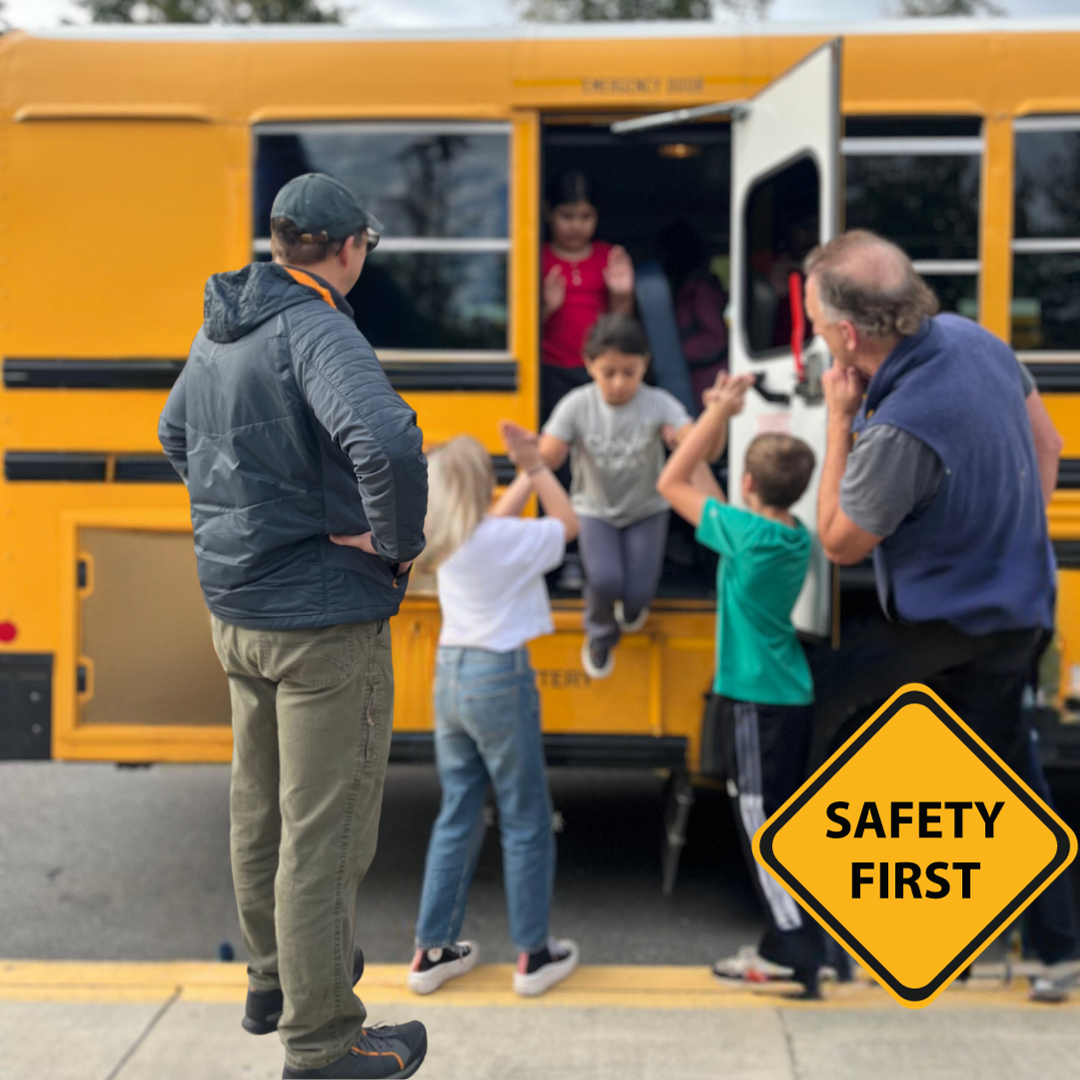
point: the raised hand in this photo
(554, 291)
(619, 273)
(522, 445)
(728, 393)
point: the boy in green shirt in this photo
(763, 684)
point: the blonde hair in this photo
(461, 482)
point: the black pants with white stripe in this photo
(766, 750)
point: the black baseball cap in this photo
(323, 209)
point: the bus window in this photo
(781, 227)
(1046, 250)
(438, 282)
(916, 180)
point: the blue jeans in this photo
(487, 728)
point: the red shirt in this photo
(564, 333)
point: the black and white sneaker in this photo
(432, 967)
(597, 660)
(630, 626)
(540, 971)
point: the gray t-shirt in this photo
(892, 475)
(616, 451)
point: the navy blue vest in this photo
(979, 557)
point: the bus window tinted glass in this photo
(956, 292)
(1046, 302)
(781, 227)
(432, 301)
(927, 205)
(1048, 183)
(419, 181)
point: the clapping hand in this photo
(554, 291)
(619, 273)
(522, 445)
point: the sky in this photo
(31, 14)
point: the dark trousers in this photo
(766, 748)
(620, 564)
(982, 679)
(555, 384)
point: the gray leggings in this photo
(620, 564)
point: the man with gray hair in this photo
(940, 461)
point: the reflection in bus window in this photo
(432, 301)
(928, 205)
(439, 278)
(956, 292)
(1046, 302)
(1048, 183)
(1046, 247)
(781, 227)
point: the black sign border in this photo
(768, 835)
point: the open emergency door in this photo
(785, 152)
(784, 201)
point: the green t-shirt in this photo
(762, 567)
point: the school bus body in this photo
(126, 180)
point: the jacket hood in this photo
(241, 300)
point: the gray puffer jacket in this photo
(285, 429)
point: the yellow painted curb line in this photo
(489, 986)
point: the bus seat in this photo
(657, 312)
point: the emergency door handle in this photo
(777, 397)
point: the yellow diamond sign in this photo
(914, 845)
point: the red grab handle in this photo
(798, 319)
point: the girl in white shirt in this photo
(491, 565)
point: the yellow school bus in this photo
(135, 162)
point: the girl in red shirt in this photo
(583, 279)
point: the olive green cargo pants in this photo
(312, 713)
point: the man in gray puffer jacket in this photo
(308, 490)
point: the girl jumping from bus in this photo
(491, 565)
(615, 429)
(583, 278)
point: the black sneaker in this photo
(597, 660)
(262, 1014)
(541, 970)
(383, 1052)
(432, 967)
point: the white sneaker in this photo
(432, 967)
(630, 627)
(747, 966)
(558, 964)
(1049, 989)
(598, 663)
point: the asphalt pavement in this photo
(116, 906)
(105, 863)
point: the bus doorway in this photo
(665, 196)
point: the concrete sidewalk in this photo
(87, 1021)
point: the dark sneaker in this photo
(432, 967)
(541, 970)
(263, 1010)
(597, 660)
(630, 625)
(383, 1052)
